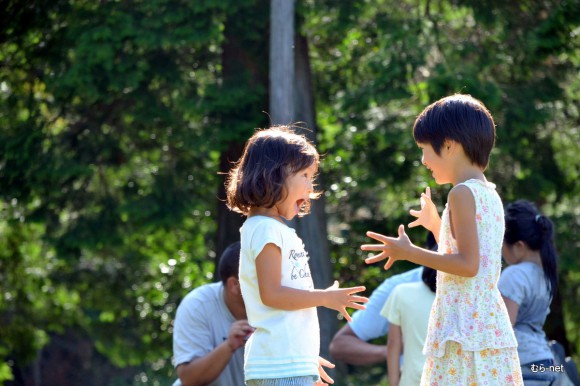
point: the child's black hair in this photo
(459, 118)
(429, 277)
(523, 222)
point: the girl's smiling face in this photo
(299, 187)
(434, 162)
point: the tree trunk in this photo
(312, 228)
(282, 61)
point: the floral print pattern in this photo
(469, 329)
(488, 367)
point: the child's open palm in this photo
(392, 248)
(427, 216)
(340, 299)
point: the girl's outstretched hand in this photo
(324, 377)
(340, 299)
(392, 248)
(427, 215)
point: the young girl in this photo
(470, 340)
(528, 286)
(273, 182)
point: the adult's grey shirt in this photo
(202, 322)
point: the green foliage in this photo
(114, 116)
(108, 169)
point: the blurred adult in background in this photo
(210, 329)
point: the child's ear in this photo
(450, 146)
(520, 247)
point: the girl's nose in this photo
(423, 160)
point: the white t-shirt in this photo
(285, 343)
(202, 322)
(409, 307)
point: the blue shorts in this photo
(292, 381)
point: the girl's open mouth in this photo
(300, 203)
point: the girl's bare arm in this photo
(274, 294)
(394, 351)
(464, 263)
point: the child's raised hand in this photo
(427, 215)
(324, 377)
(340, 298)
(392, 248)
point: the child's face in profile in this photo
(434, 162)
(299, 187)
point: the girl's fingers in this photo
(377, 236)
(359, 288)
(346, 315)
(401, 230)
(326, 363)
(359, 299)
(374, 259)
(373, 247)
(325, 376)
(382, 238)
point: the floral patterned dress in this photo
(470, 340)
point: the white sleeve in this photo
(264, 233)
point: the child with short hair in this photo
(272, 182)
(470, 340)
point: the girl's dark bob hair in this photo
(269, 158)
(459, 118)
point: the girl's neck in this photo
(267, 212)
(532, 257)
(471, 173)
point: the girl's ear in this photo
(521, 246)
(519, 249)
(450, 144)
